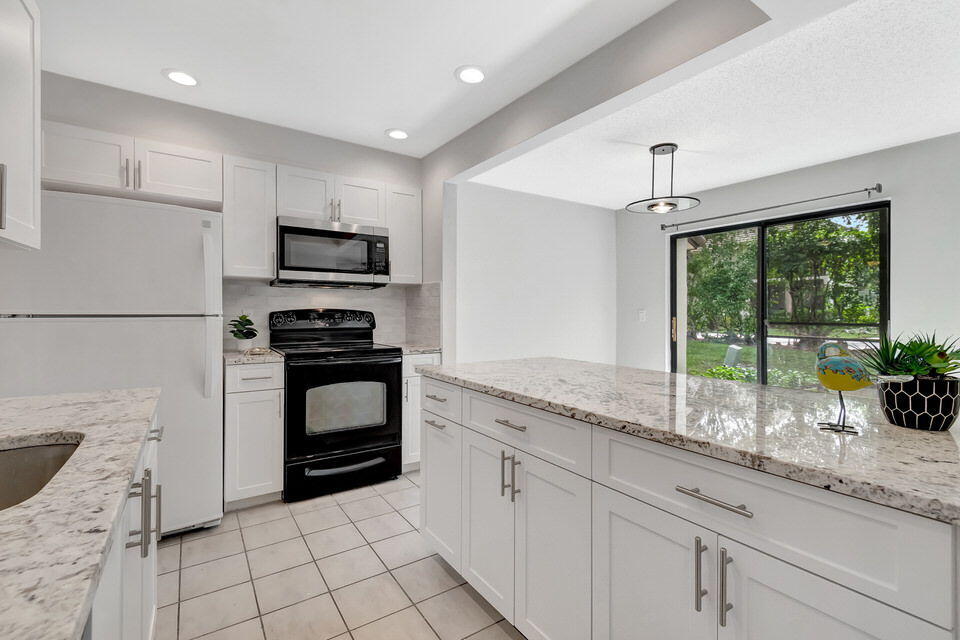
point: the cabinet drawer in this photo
(562, 441)
(254, 377)
(416, 360)
(884, 553)
(441, 398)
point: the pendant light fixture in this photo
(662, 204)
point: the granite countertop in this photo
(413, 348)
(765, 428)
(236, 357)
(54, 544)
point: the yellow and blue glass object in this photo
(838, 371)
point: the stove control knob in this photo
(368, 318)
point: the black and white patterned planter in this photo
(926, 403)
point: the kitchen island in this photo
(55, 546)
(685, 495)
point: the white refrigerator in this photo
(127, 294)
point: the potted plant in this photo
(914, 381)
(243, 330)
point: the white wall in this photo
(534, 277)
(919, 179)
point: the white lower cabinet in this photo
(440, 474)
(410, 421)
(252, 441)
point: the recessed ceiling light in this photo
(470, 74)
(180, 77)
(397, 134)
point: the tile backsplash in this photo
(423, 314)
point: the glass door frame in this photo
(883, 206)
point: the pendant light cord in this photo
(676, 225)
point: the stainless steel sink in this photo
(24, 471)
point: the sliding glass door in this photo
(754, 302)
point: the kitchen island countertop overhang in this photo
(765, 428)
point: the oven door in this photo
(342, 405)
(321, 251)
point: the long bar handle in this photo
(430, 396)
(406, 390)
(159, 497)
(146, 511)
(725, 606)
(138, 176)
(507, 423)
(255, 378)
(3, 196)
(740, 509)
(434, 423)
(333, 211)
(698, 590)
(513, 479)
(126, 172)
(503, 472)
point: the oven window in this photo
(321, 253)
(346, 405)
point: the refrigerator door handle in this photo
(212, 327)
(210, 286)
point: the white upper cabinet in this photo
(306, 193)
(78, 155)
(405, 221)
(19, 124)
(249, 218)
(361, 201)
(180, 172)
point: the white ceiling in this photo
(874, 74)
(348, 69)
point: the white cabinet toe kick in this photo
(575, 531)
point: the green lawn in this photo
(788, 367)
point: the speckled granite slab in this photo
(765, 428)
(53, 545)
(411, 348)
(236, 357)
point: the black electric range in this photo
(342, 421)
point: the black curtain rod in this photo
(868, 190)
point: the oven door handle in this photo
(366, 464)
(372, 360)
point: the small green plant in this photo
(725, 372)
(242, 328)
(921, 355)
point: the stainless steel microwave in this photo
(319, 253)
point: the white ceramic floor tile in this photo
(260, 535)
(403, 549)
(168, 588)
(392, 485)
(315, 619)
(212, 576)
(370, 599)
(330, 541)
(414, 477)
(210, 548)
(229, 522)
(249, 630)
(354, 494)
(403, 625)
(503, 630)
(385, 526)
(412, 515)
(457, 613)
(404, 498)
(350, 566)
(217, 610)
(288, 587)
(166, 623)
(366, 508)
(426, 578)
(309, 505)
(277, 557)
(320, 519)
(262, 513)
(168, 559)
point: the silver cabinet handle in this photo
(126, 172)
(138, 176)
(430, 396)
(724, 605)
(698, 590)
(740, 509)
(507, 423)
(513, 479)
(159, 497)
(434, 423)
(3, 196)
(156, 434)
(406, 390)
(333, 211)
(339, 210)
(146, 513)
(503, 472)
(256, 377)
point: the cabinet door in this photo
(178, 172)
(645, 571)
(106, 615)
(411, 420)
(405, 221)
(305, 193)
(249, 218)
(361, 202)
(552, 551)
(132, 615)
(440, 499)
(148, 581)
(20, 123)
(487, 512)
(772, 599)
(89, 157)
(253, 444)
